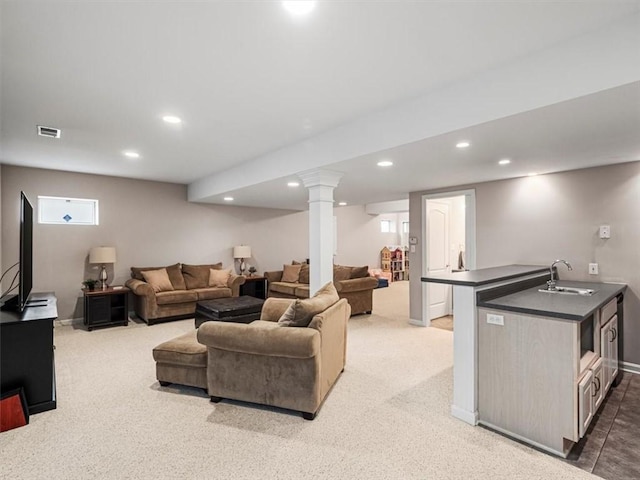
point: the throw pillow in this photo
(360, 272)
(291, 273)
(304, 273)
(158, 279)
(219, 278)
(341, 273)
(301, 312)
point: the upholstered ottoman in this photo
(182, 360)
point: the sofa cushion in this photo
(291, 273)
(176, 296)
(182, 350)
(341, 273)
(174, 272)
(197, 276)
(158, 279)
(284, 287)
(302, 291)
(212, 293)
(304, 274)
(219, 278)
(300, 312)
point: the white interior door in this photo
(439, 294)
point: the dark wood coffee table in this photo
(243, 309)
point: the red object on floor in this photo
(13, 410)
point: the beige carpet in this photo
(387, 417)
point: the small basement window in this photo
(67, 211)
(386, 226)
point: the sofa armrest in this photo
(291, 342)
(274, 307)
(356, 284)
(234, 283)
(140, 288)
(273, 276)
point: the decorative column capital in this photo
(320, 177)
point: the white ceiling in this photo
(252, 84)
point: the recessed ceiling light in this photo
(131, 154)
(293, 184)
(385, 163)
(299, 7)
(342, 204)
(462, 144)
(228, 199)
(172, 119)
(532, 174)
(504, 161)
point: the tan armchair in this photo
(287, 367)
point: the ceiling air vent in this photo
(48, 132)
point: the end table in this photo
(106, 307)
(254, 286)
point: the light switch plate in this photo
(593, 269)
(495, 319)
(605, 231)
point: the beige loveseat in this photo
(291, 367)
(187, 284)
(352, 283)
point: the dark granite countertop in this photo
(485, 276)
(567, 307)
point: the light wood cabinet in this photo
(585, 402)
(536, 382)
(609, 351)
(598, 384)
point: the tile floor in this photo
(611, 448)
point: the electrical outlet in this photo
(605, 231)
(593, 269)
(495, 319)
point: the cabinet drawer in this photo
(608, 311)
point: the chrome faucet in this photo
(551, 284)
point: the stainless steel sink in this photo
(569, 291)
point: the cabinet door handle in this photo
(615, 332)
(597, 385)
(612, 331)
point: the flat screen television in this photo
(25, 268)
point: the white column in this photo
(321, 240)
(465, 355)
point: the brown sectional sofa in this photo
(353, 283)
(188, 285)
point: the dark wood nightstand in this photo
(255, 286)
(106, 307)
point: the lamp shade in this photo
(242, 251)
(102, 255)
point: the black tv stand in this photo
(26, 352)
(11, 304)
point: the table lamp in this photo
(242, 252)
(102, 255)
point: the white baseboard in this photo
(630, 367)
(418, 323)
(468, 417)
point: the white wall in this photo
(359, 237)
(535, 220)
